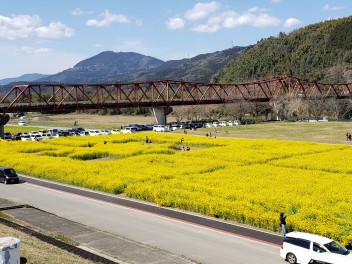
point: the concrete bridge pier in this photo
(160, 114)
(1, 131)
(3, 121)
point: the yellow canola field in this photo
(242, 180)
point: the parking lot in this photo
(49, 133)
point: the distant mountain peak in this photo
(28, 77)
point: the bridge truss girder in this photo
(71, 97)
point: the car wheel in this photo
(291, 258)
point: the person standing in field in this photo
(283, 224)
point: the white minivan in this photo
(305, 248)
(161, 128)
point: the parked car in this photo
(84, 133)
(7, 136)
(33, 133)
(115, 131)
(325, 119)
(236, 122)
(106, 132)
(53, 131)
(22, 123)
(8, 175)
(127, 130)
(94, 133)
(78, 129)
(16, 136)
(161, 128)
(43, 131)
(36, 137)
(47, 136)
(222, 123)
(304, 248)
(149, 127)
(174, 127)
(26, 137)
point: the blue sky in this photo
(50, 36)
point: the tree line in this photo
(283, 108)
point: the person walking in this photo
(283, 224)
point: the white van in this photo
(53, 131)
(304, 248)
(161, 128)
(127, 130)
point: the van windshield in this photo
(336, 248)
(9, 171)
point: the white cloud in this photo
(261, 20)
(275, 1)
(175, 23)
(202, 10)
(108, 19)
(25, 26)
(206, 28)
(77, 12)
(216, 17)
(54, 30)
(332, 8)
(139, 22)
(32, 50)
(256, 9)
(290, 22)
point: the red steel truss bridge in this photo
(162, 93)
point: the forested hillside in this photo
(319, 52)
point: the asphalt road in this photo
(204, 244)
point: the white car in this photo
(47, 136)
(36, 138)
(127, 130)
(236, 122)
(84, 133)
(161, 128)
(26, 137)
(94, 133)
(304, 248)
(223, 123)
(22, 123)
(106, 132)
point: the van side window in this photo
(298, 242)
(303, 243)
(290, 240)
(318, 248)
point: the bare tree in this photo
(316, 106)
(296, 107)
(339, 108)
(238, 109)
(258, 109)
(179, 112)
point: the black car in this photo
(16, 136)
(7, 136)
(8, 175)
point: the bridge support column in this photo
(3, 121)
(160, 114)
(1, 131)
